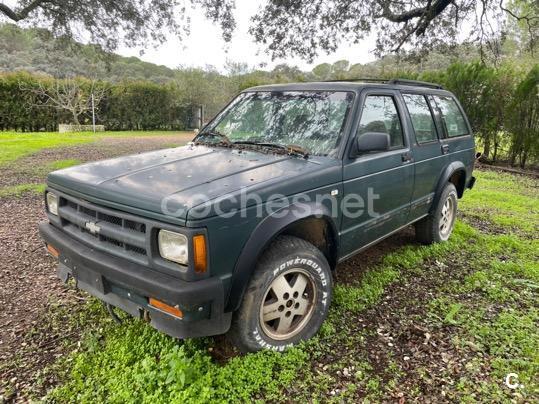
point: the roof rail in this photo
(417, 83)
(402, 82)
(365, 79)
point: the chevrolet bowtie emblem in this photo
(92, 227)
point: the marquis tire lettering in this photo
(295, 276)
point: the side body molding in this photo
(266, 231)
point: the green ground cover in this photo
(486, 301)
(474, 296)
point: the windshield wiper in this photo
(291, 149)
(215, 134)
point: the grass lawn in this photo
(15, 145)
(442, 322)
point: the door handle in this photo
(406, 157)
(445, 148)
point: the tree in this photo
(485, 93)
(68, 95)
(524, 119)
(107, 22)
(306, 27)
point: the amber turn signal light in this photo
(175, 311)
(199, 247)
(53, 251)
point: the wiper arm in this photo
(289, 149)
(213, 133)
(295, 149)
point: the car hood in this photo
(170, 182)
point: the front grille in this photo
(112, 231)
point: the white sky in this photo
(205, 46)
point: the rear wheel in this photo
(287, 298)
(438, 226)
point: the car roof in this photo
(348, 86)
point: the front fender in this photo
(266, 231)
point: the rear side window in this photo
(452, 118)
(422, 121)
(380, 115)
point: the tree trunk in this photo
(523, 159)
(75, 118)
(495, 155)
(486, 148)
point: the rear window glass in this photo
(422, 121)
(452, 118)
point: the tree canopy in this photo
(290, 27)
(109, 22)
(306, 27)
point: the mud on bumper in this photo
(128, 286)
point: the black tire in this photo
(288, 258)
(429, 229)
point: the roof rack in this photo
(365, 79)
(417, 83)
(402, 82)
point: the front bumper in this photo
(128, 286)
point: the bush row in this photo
(501, 102)
(125, 106)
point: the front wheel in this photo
(438, 226)
(287, 299)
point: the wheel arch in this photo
(455, 173)
(314, 224)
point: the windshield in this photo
(312, 120)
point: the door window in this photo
(380, 115)
(452, 118)
(422, 121)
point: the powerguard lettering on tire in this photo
(286, 257)
(239, 231)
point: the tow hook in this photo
(114, 316)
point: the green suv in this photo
(239, 231)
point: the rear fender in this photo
(452, 168)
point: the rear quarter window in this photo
(452, 117)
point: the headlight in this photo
(173, 246)
(52, 203)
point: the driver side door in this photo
(383, 181)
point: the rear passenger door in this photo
(458, 143)
(383, 180)
(427, 150)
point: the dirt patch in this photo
(29, 286)
(533, 172)
(484, 226)
(404, 333)
(27, 271)
(33, 169)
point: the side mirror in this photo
(371, 142)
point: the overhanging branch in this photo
(18, 15)
(430, 11)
